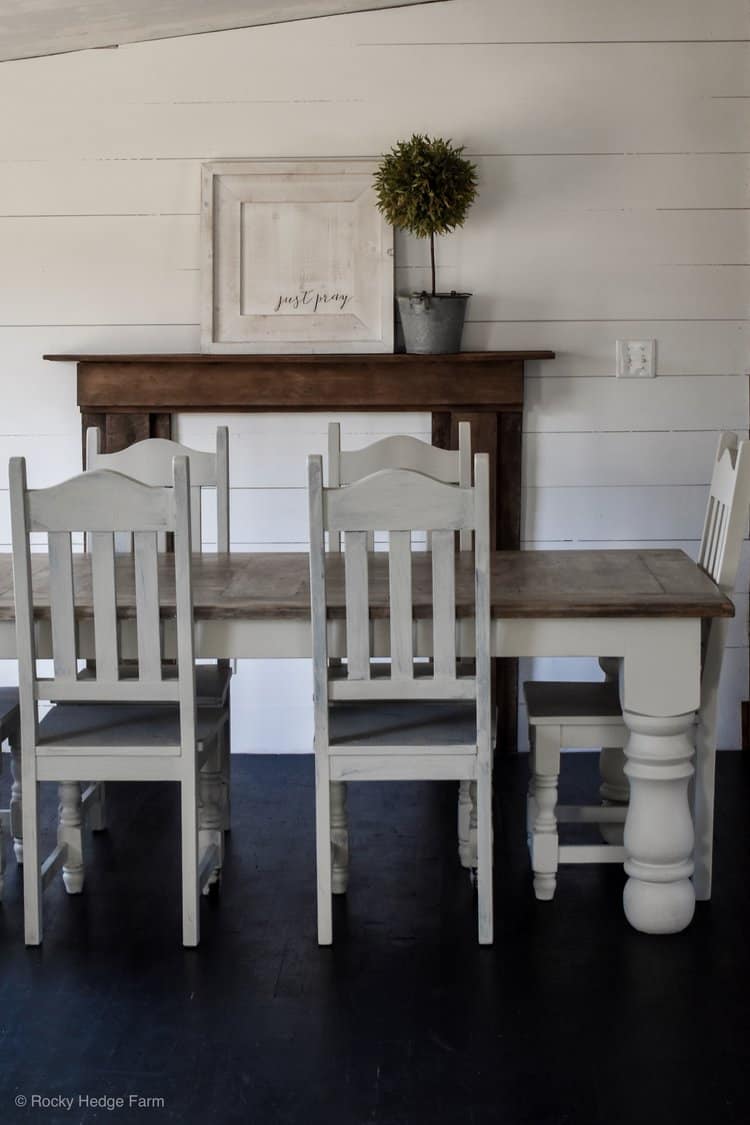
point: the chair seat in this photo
(211, 680)
(553, 702)
(77, 726)
(397, 724)
(9, 711)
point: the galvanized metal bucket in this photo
(432, 323)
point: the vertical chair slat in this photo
(708, 532)
(147, 606)
(334, 474)
(709, 536)
(707, 528)
(102, 550)
(62, 609)
(713, 545)
(464, 476)
(399, 584)
(222, 488)
(196, 519)
(444, 604)
(357, 607)
(721, 533)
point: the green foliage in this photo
(425, 186)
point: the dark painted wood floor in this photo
(570, 1018)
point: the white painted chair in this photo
(10, 818)
(401, 720)
(452, 466)
(105, 726)
(588, 715)
(150, 462)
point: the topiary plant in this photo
(425, 186)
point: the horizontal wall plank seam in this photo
(27, 216)
(556, 42)
(490, 155)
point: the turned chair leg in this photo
(70, 833)
(16, 805)
(544, 837)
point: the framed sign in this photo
(295, 258)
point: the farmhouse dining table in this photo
(644, 606)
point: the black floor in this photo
(572, 1018)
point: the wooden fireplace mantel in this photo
(132, 397)
(169, 383)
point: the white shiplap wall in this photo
(613, 145)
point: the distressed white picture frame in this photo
(295, 258)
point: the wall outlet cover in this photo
(636, 359)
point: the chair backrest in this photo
(400, 451)
(719, 555)
(399, 501)
(726, 512)
(150, 462)
(102, 503)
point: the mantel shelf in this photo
(335, 360)
(484, 381)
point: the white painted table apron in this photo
(660, 693)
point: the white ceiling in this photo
(49, 27)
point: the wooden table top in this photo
(525, 584)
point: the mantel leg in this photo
(659, 896)
(499, 434)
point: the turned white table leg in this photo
(658, 896)
(16, 807)
(339, 839)
(70, 833)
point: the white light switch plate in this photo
(636, 359)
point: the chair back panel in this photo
(150, 462)
(726, 512)
(400, 451)
(100, 504)
(398, 502)
(719, 555)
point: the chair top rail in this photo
(150, 460)
(101, 500)
(400, 451)
(398, 500)
(403, 451)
